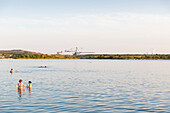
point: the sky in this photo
(101, 26)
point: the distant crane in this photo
(59, 52)
(76, 51)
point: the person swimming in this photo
(43, 67)
(29, 85)
(20, 85)
(12, 71)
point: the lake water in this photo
(86, 86)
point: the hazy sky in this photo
(114, 26)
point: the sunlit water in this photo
(86, 86)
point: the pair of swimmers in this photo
(43, 67)
(20, 85)
(12, 71)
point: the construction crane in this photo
(59, 52)
(76, 51)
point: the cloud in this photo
(109, 26)
(112, 30)
(102, 20)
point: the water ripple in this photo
(80, 86)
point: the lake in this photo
(94, 86)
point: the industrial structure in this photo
(74, 51)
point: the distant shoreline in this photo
(22, 54)
(89, 56)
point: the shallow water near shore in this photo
(86, 86)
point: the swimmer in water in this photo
(11, 71)
(20, 85)
(43, 67)
(29, 85)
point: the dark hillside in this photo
(16, 52)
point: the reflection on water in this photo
(20, 93)
(29, 89)
(86, 86)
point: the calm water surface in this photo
(86, 86)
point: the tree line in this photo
(99, 56)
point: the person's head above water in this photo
(29, 82)
(20, 80)
(11, 71)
